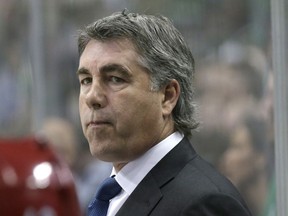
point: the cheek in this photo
(82, 110)
(139, 114)
(80, 102)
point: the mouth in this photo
(98, 123)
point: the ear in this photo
(171, 94)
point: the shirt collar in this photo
(130, 176)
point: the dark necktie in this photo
(107, 190)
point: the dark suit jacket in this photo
(182, 183)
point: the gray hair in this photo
(162, 50)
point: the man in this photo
(137, 111)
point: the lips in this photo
(98, 123)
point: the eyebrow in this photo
(82, 71)
(115, 67)
(106, 69)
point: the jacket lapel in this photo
(148, 193)
(145, 196)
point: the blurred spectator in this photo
(236, 112)
(61, 134)
(13, 89)
(224, 91)
(245, 161)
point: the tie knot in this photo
(108, 189)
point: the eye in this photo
(86, 81)
(116, 80)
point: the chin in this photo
(102, 154)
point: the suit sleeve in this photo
(216, 205)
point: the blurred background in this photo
(231, 44)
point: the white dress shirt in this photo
(133, 172)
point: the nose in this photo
(96, 96)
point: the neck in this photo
(167, 130)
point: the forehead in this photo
(111, 48)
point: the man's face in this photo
(120, 116)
